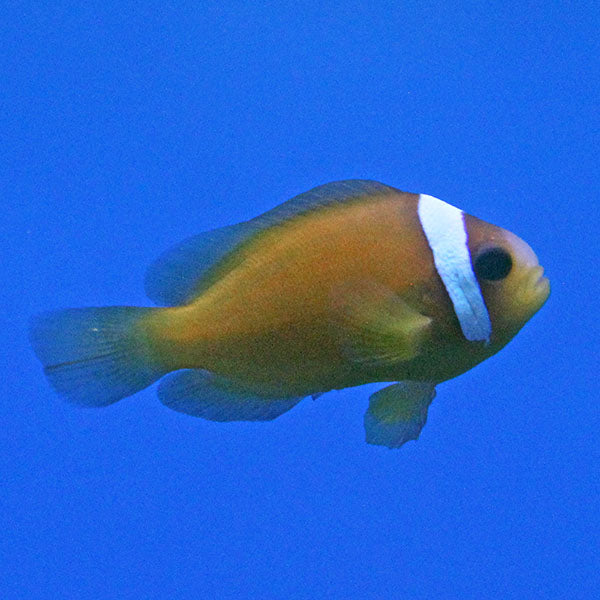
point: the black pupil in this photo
(494, 264)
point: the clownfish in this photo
(350, 283)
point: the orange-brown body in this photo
(271, 318)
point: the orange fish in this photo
(349, 283)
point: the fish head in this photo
(510, 276)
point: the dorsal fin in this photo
(177, 276)
(336, 192)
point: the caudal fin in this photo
(94, 356)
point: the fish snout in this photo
(539, 283)
(529, 282)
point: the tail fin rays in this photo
(94, 356)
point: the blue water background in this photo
(127, 126)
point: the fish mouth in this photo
(540, 283)
(538, 276)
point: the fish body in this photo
(298, 274)
(350, 283)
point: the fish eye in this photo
(493, 264)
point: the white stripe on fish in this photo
(444, 227)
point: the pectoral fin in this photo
(397, 413)
(378, 326)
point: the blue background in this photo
(127, 126)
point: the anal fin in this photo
(397, 413)
(203, 394)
